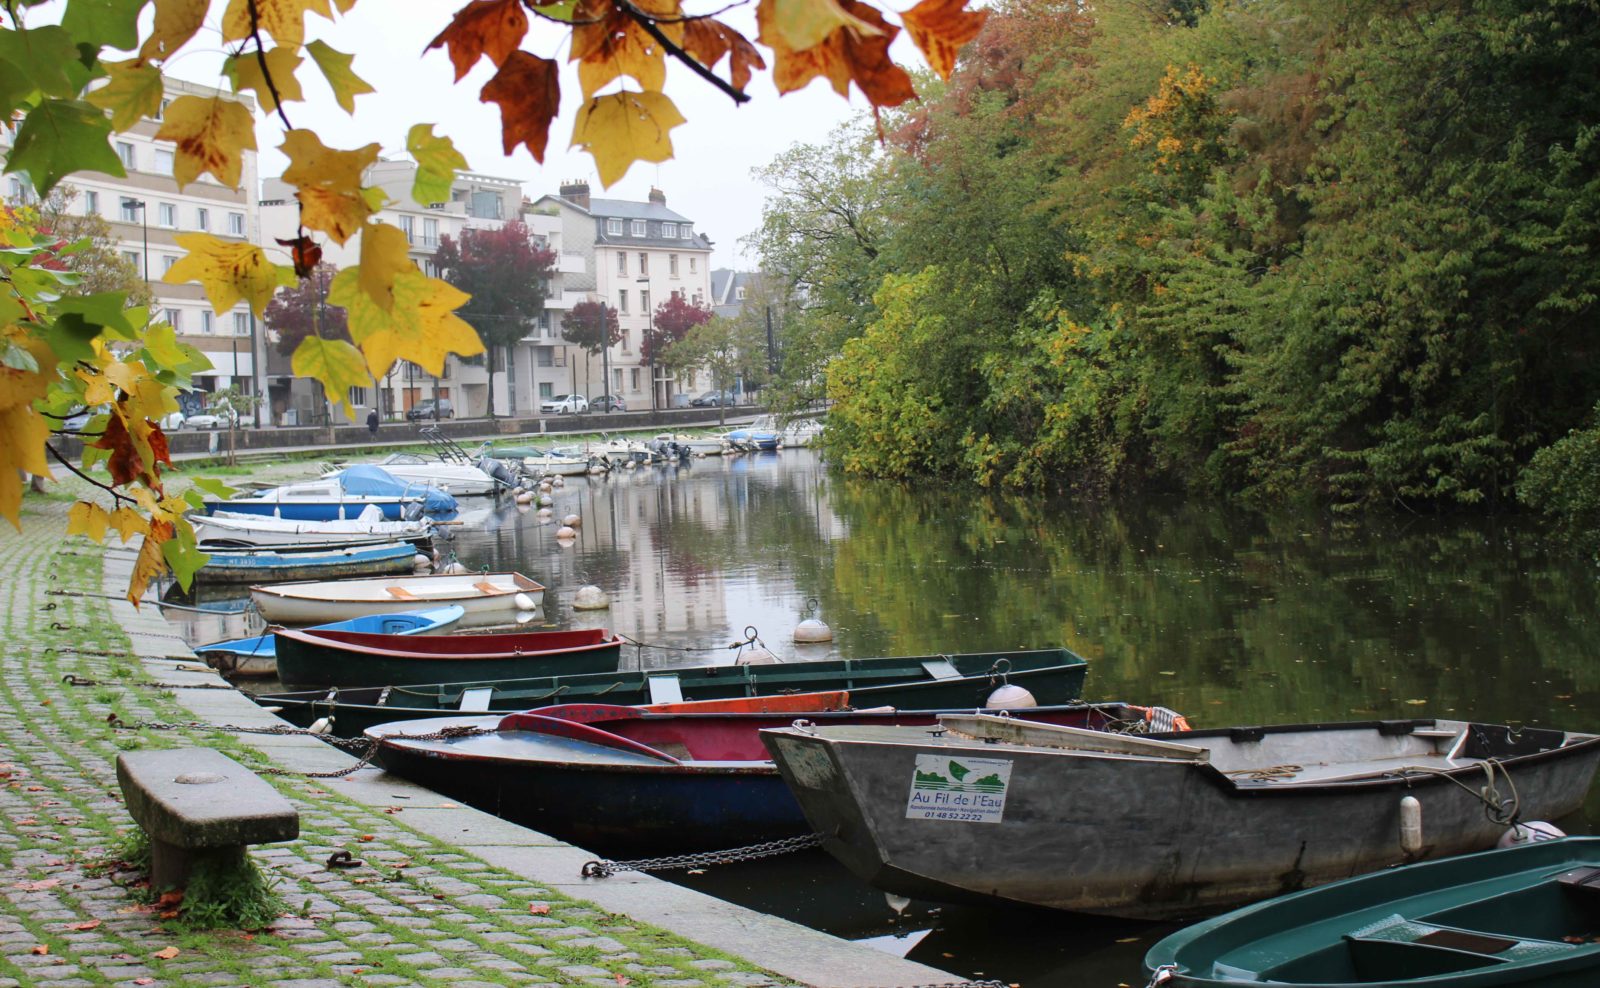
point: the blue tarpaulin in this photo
(378, 482)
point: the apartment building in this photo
(146, 211)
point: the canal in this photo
(1229, 617)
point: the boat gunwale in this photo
(287, 590)
(306, 637)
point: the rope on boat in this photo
(750, 852)
(1499, 809)
(1269, 773)
(749, 639)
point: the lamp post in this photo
(144, 220)
(605, 353)
(644, 307)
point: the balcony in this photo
(565, 301)
(572, 264)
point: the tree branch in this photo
(118, 495)
(642, 19)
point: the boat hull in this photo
(257, 657)
(259, 530)
(321, 602)
(268, 564)
(312, 661)
(346, 509)
(1140, 838)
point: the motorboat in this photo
(343, 497)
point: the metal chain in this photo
(751, 852)
(72, 680)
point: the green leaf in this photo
(214, 487)
(17, 358)
(42, 55)
(102, 309)
(60, 137)
(196, 500)
(112, 23)
(337, 364)
(183, 555)
(335, 66)
(437, 164)
(161, 343)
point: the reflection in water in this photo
(1230, 618)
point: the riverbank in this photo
(444, 895)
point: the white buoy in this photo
(590, 598)
(453, 569)
(524, 602)
(546, 500)
(812, 630)
(572, 521)
(1010, 697)
(756, 655)
(526, 497)
(421, 561)
(523, 617)
(1531, 832)
(558, 482)
(566, 533)
(322, 725)
(1410, 825)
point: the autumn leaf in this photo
(176, 21)
(90, 924)
(128, 523)
(228, 271)
(307, 254)
(328, 183)
(608, 43)
(437, 162)
(245, 72)
(39, 886)
(151, 562)
(133, 93)
(848, 55)
(212, 133)
(421, 327)
(539, 908)
(40, 949)
(940, 28)
(285, 20)
(335, 66)
(385, 255)
(23, 434)
(801, 24)
(167, 953)
(709, 40)
(337, 364)
(89, 520)
(483, 27)
(621, 128)
(529, 94)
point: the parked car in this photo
(79, 420)
(425, 409)
(711, 399)
(219, 420)
(564, 405)
(609, 403)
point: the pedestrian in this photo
(372, 421)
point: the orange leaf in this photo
(39, 886)
(367, 837)
(483, 27)
(608, 44)
(529, 94)
(708, 40)
(170, 898)
(41, 949)
(86, 925)
(847, 55)
(940, 28)
(538, 909)
(150, 563)
(167, 954)
(124, 462)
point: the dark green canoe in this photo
(328, 657)
(1522, 916)
(922, 682)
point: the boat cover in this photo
(377, 482)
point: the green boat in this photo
(925, 682)
(1525, 915)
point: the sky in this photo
(709, 180)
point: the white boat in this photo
(233, 528)
(487, 598)
(455, 479)
(558, 465)
(623, 452)
(698, 445)
(344, 496)
(800, 432)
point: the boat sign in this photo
(967, 790)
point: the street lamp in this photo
(605, 354)
(144, 219)
(644, 307)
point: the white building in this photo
(147, 211)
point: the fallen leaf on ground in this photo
(169, 899)
(538, 908)
(1415, 703)
(167, 954)
(39, 886)
(621, 980)
(367, 837)
(41, 949)
(144, 981)
(86, 925)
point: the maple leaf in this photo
(59, 137)
(421, 326)
(335, 66)
(621, 128)
(88, 519)
(307, 254)
(529, 94)
(212, 133)
(337, 364)
(608, 43)
(483, 27)
(285, 20)
(385, 255)
(128, 523)
(176, 21)
(437, 161)
(23, 434)
(181, 553)
(709, 40)
(133, 93)
(800, 24)
(245, 72)
(328, 183)
(848, 55)
(167, 954)
(940, 28)
(228, 271)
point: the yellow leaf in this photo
(337, 364)
(228, 271)
(23, 433)
(285, 20)
(133, 93)
(128, 523)
(802, 24)
(176, 21)
(212, 134)
(335, 66)
(88, 519)
(621, 128)
(437, 163)
(385, 255)
(246, 72)
(422, 327)
(328, 183)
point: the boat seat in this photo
(941, 669)
(1396, 929)
(664, 689)
(1581, 881)
(401, 592)
(476, 700)
(485, 587)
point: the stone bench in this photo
(199, 806)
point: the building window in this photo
(430, 267)
(236, 224)
(161, 111)
(174, 318)
(19, 192)
(672, 265)
(669, 230)
(614, 227)
(167, 215)
(644, 263)
(486, 205)
(358, 396)
(430, 232)
(634, 375)
(546, 390)
(686, 232)
(616, 380)
(202, 219)
(241, 324)
(622, 300)
(644, 301)
(163, 161)
(640, 228)
(627, 345)
(206, 325)
(91, 203)
(544, 356)
(692, 262)
(408, 226)
(132, 257)
(130, 210)
(738, 293)
(622, 262)
(167, 261)
(125, 153)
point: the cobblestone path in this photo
(417, 912)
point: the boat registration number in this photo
(959, 789)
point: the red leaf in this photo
(170, 899)
(538, 909)
(307, 254)
(529, 94)
(41, 949)
(483, 27)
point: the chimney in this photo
(576, 193)
(657, 196)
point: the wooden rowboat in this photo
(488, 598)
(258, 656)
(306, 563)
(322, 658)
(1527, 915)
(984, 808)
(618, 779)
(924, 682)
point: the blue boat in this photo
(753, 439)
(289, 563)
(344, 496)
(258, 656)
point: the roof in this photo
(725, 283)
(629, 210)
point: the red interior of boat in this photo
(521, 641)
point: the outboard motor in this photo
(499, 471)
(411, 511)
